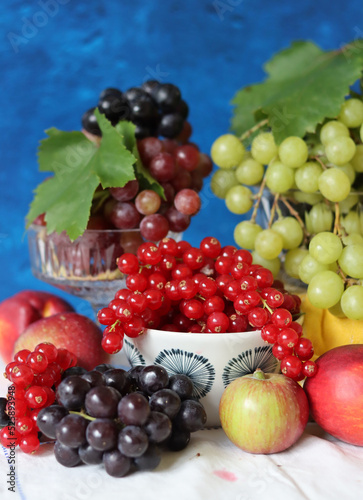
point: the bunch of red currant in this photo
(33, 376)
(176, 287)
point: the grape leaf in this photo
(79, 167)
(304, 86)
(146, 180)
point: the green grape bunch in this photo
(313, 182)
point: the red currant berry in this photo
(281, 352)
(29, 443)
(264, 277)
(237, 323)
(181, 272)
(274, 297)
(157, 281)
(309, 368)
(297, 327)
(121, 295)
(21, 375)
(258, 317)
(154, 298)
(137, 302)
(167, 263)
(168, 246)
(128, 263)
(48, 349)
(36, 396)
(182, 247)
(123, 311)
(223, 280)
(64, 358)
(228, 251)
(106, 316)
(304, 349)
(269, 333)
(289, 302)
(207, 287)
(21, 356)
(213, 304)
(281, 318)
(37, 361)
(223, 265)
(193, 309)
(9, 436)
(232, 290)
(188, 288)
(248, 283)
(239, 270)
(218, 322)
(210, 247)
(24, 425)
(287, 338)
(243, 256)
(291, 366)
(136, 282)
(182, 322)
(193, 258)
(112, 342)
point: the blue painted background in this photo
(57, 55)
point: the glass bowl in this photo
(87, 266)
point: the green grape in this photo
(334, 184)
(239, 199)
(348, 170)
(227, 151)
(290, 231)
(268, 244)
(273, 265)
(337, 310)
(353, 239)
(340, 151)
(351, 261)
(319, 219)
(222, 181)
(325, 247)
(325, 289)
(245, 234)
(279, 177)
(361, 133)
(351, 113)
(309, 267)
(318, 150)
(293, 152)
(349, 202)
(331, 130)
(309, 198)
(250, 172)
(293, 259)
(352, 302)
(351, 222)
(263, 148)
(307, 177)
(357, 160)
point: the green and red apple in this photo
(21, 310)
(335, 393)
(263, 413)
(69, 330)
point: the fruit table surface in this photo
(318, 467)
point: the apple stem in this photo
(259, 374)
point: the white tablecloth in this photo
(317, 467)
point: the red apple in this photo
(22, 309)
(335, 393)
(70, 330)
(263, 413)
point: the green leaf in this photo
(113, 163)
(304, 86)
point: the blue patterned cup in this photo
(212, 361)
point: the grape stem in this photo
(258, 198)
(295, 214)
(254, 129)
(337, 228)
(273, 209)
(317, 158)
(84, 415)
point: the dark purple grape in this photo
(89, 122)
(191, 416)
(143, 109)
(49, 417)
(124, 215)
(73, 370)
(166, 401)
(171, 125)
(167, 96)
(133, 409)
(163, 167)
(117, 378)
(134, 93)
(4, 417)
(71, 430)
(182, 109)
(182, 385)
(132, 441)
(89, 455)
(158, 427)
(102, 401)
(116, 464)
(94, 378)
(71, 392)
(114, 107)
(102, 434)
(110, 91)
(152, 378)
(150, 86)
(154, 227)
(133, 373)
(178, 222)
(178, 440)
(127, 192)
(103, 368)
(65, 455)
(149, 460)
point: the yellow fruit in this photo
(327, 331)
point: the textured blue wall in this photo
(57, 55)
